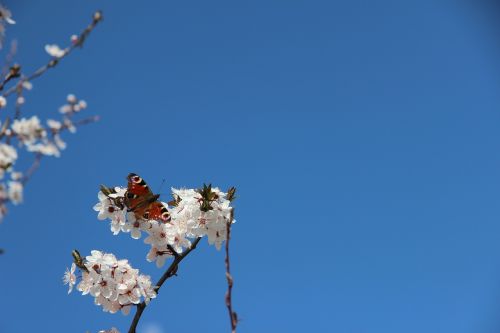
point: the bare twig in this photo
(233, 317)
(34, 166)
(96, 18)
(171, 271)
(9, 58)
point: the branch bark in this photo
(233, 317)
(171, 271)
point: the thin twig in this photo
(96, 18)
(171, 271)
(34, 166)
(9, 58)
(233, 317)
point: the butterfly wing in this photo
(157, 211)
(140, 199)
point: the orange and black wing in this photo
(157, 211)
(140, 199)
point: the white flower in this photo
(3, 102)
(99, 258)
(69, 277)
(176, 236)
(135, 226)
(82, 104)
(27, 85)
(107, 209)
(15, 192)
(71, 99)
(54, 50)
(54, 124)
(66, 108)
(157, 235)
(8, 155)
(159, 255)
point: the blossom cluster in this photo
(34, 137)
(193, 213)
(113, 283)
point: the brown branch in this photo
(233, 317)
(14, 72)
(96, 18)
(34, 166)
(171, 270)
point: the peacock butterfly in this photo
(140, 199)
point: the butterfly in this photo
(140, 199)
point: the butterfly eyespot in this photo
(146, 215)
(136, 179)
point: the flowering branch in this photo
(57, 55)
(171, 271)
(29, 133)
(233, 317)
(174, 229)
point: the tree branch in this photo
(171, 270)
(78, 42)
(233, 317)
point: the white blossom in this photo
(109, 210)
(71, 99)
(54, 124)
(113, 283)
(15, 192)
(8, 155)
(3, 102)
(54, 50)
(66, 108)
(211, 223)
(28, 130)
(69, 277)
(27, 85)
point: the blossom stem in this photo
(233, 318)
(171, 270)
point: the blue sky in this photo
(363, 138)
